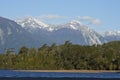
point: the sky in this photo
(100, 15)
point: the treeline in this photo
(64, 57)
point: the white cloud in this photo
(90, 19)
(52, 16)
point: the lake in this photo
(17, 75)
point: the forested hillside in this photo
(67, 56)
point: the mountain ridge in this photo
(75, 25)
(16, 35)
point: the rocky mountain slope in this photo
(32, 32)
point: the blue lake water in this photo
(17, 75)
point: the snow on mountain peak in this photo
(75, 22)
(31, 22)
(77, 25)
(111, 33)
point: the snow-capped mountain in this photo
(32, 32)
(80, 33)
(111, 35)
(32, 24)
(13, 35)
(73, 24)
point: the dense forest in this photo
(67, 56)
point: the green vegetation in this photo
(64, 57)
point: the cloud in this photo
(52, 16)
(55, 18)
(90, 19)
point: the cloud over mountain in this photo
(55, 18)
(90, 19)
(52, 16)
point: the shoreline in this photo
(70, 71)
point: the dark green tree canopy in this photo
(65, 56)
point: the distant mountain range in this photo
(112, 35)
(32, 32)
(74, 31)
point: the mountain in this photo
(13, 35)
(77, 33)
(112, 35)
(32, 32)
(73, 31)
(33, 24)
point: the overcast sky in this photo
(101, 15)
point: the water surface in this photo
(18, 75)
